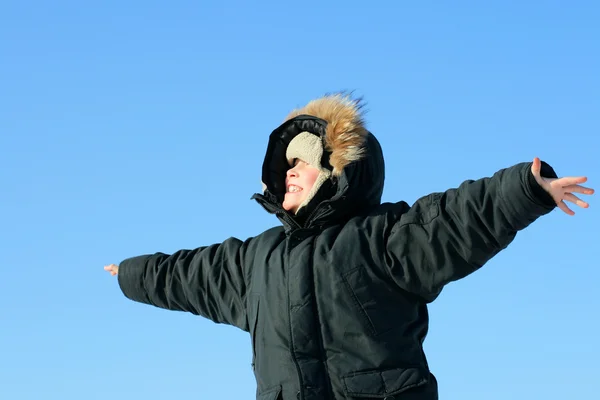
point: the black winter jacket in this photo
(336, 300)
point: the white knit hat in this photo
(308, 148)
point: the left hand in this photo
(562, 189)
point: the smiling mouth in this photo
(294, 189)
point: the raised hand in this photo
(562, 189)
(112, 268)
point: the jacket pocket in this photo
(384, 383)
(382, 306)
(273, 393)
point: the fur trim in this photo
(346, 132)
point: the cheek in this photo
(312, 177)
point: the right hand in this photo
(562, 189)
(112, 268)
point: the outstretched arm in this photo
(208, 281)
(444, 237)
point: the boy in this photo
(335, 300)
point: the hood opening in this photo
(350, 151)
(276, 164)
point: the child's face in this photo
(298, 183)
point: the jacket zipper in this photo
(318, 325)
(292, 345)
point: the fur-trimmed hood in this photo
(345, 133)
(352, 153)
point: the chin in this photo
(290, 207)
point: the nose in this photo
(291, 173)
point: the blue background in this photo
(134, 127)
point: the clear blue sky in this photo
(135, 127)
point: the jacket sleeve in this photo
(445, 236)
(207, 281)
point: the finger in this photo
(579, 189)
(576, 200)
(112, 269)
(570, 180)
(536, 167)
(565, 208)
